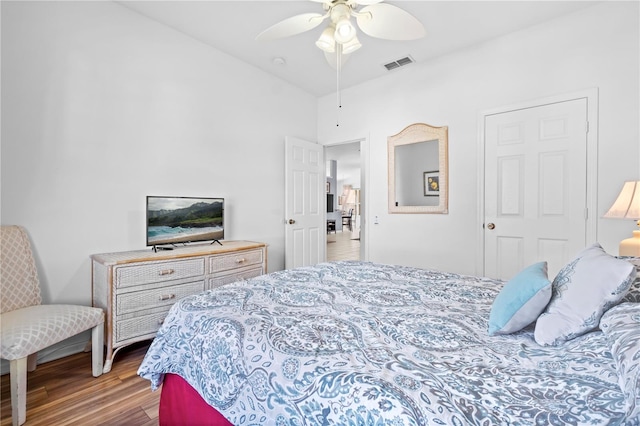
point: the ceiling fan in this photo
(375, 18)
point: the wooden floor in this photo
(63, 392)
(342, 246)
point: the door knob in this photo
(291, 221)
(491, 226)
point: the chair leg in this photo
(32, 362)
(18, 373)
(97, 349)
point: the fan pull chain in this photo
(338, 67)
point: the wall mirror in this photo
(418, 170)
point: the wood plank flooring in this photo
(63, 392)
(341, 246)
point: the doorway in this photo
(344, 201)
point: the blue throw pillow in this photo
(520, 301)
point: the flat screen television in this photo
(173, 220)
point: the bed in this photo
(360, 343)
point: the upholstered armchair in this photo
(27, 326)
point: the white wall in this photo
(597, 47)
(101, 107)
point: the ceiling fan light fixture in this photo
(351, 46)
(326, 42)
(345, 31)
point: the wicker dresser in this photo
(137, 288)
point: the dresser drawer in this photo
(154, 272)
(149, 299)
(235, 260)
(234, 276)
(144, 325)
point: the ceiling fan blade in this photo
(292, 26)
(332, 59)
(383, 20)
(367, 2)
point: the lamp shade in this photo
(345, 31)
(326, 41)
(627, 206)
(351, 46)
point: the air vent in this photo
(399, 63)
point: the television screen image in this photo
(172, 220)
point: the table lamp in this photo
(627, 206)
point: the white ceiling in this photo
(231, 27)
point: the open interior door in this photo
(305, 225)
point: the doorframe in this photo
(364, 192)
(591, 95)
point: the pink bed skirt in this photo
(181, 405)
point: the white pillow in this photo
(582, 291)
(634, 291)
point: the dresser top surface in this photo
(149, 255)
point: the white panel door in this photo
(535, 187)
(305, 203)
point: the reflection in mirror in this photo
(415, 187)
(418, 170)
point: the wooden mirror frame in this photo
(415, 133)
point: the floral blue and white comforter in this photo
(357, 343)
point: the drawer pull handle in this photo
(241, 260)
(167, 272)
(161, 320)
(167, 296)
